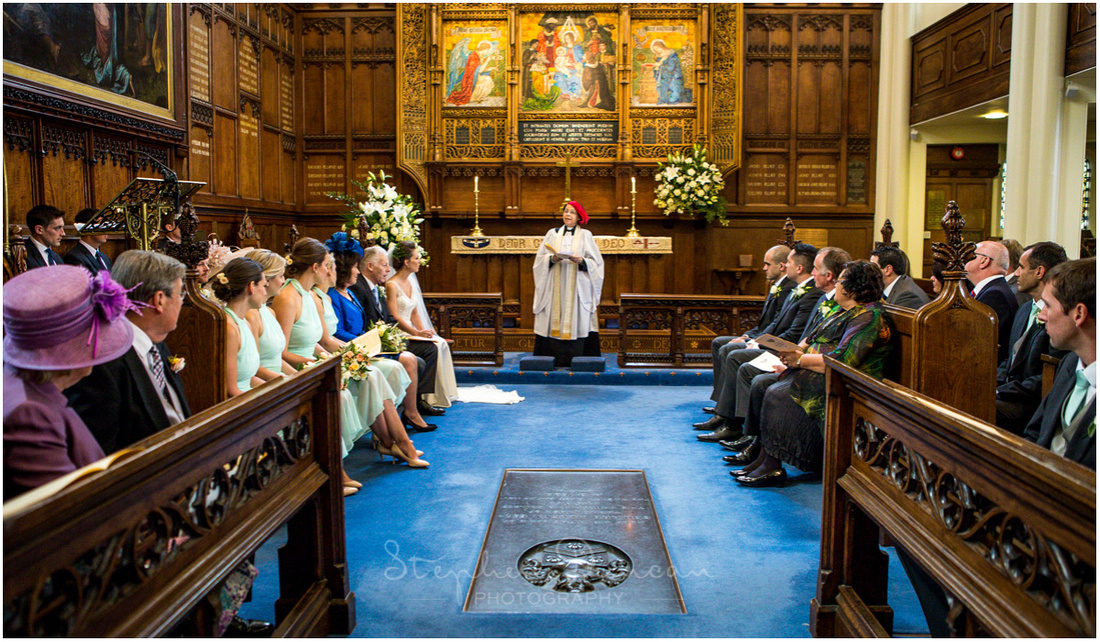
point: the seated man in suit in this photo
(749, 379)
(775, 271)
(86, 252)
(1015, 251)
(987, 272)
(1020, 376)
(126, 400)
(788, 324)
(45, 228)
(374, 267)
(901, 290)
(1065, 421)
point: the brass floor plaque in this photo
(574, 541)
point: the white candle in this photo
(475, 183)
(632, 186)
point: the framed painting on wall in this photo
(568, 63)
(475, 57)
(118, 53)
(662, 56)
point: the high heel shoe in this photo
(409, 425)
(350, 490)
(351, 483)
(413, 463)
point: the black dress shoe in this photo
(710, 410)
(737, 445)
(714, 423)
(720, 434)
(774, 478)
(409, 425)
(429, 410)
(242, 628)
(748, 455)
(731, 459)
(740, 472)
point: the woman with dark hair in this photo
(792, 417)
(242, 287)
(406, 304)
(568, 282)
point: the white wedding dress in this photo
(446, 389)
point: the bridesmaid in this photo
(242, 287)
(270, 338)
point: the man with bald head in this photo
(775, 271)
(987, 272)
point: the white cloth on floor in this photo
(487, 393)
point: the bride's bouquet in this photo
(387, 216)
(393, 338)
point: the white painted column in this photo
(892, 160)
(1066, 225)
(1035, 125)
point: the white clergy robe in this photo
(566, 297)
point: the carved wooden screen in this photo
(412, 93)
(725, 89)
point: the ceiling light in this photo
(996, 115)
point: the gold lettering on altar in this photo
(531, 244)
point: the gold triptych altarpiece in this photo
(525, 96)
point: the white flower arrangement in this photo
(387, 216)
(688, 184)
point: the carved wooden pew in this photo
(474, 321)
(130, 550)
(1004, 526)
(673, 330)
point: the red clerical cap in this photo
(580, 212)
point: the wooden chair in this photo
(15, 252)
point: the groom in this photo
(373, 269)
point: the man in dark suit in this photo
(788, 325)
(373, 269)
(1020, 375)
(900, 290)
(1065, 421)
(86, 252)
(986, 271)
(828, 264)
(128, 399)
(46, 227)
(775, 271)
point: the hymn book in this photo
(775, 344)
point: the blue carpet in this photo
(746, 559)
(510, 374)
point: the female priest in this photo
(792, 416)
(568, 281)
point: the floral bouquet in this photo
(354, 364)
(387, 216)
(689, 184)
(392, 337)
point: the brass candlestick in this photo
(477, 219)
(632, 233)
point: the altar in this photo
(531, 244)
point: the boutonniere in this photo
(1092, 428)
(774, 289)
(802, 289)
(177, 363)
(829, 306)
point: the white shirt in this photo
(142, 345)
(890, 288)
(41, 250)
(984, 282)
(93, 250)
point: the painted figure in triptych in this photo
(475, 55)
(568, 62)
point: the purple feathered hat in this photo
(61, 318)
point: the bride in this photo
(406, 304)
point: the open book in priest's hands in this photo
(561, 256)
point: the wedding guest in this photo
(986, 271)
(59, 322)
(900, 290)
(45, 229)
(241, 285)
(86, 252)
(270, 340)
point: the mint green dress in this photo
(248, 356)
(272, 341)
(304, 335)
(393, 371)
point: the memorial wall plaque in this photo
(248, 67)
(857, 180)
(815, 180)
(574, 541)
(554, 132)
(198, 59)
(462, 135)
(766, 179)
(286, 97)
(324, 174)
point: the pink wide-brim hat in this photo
(60, 317)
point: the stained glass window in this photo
(1086, 190)
(1004, 182)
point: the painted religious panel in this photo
(475, 55)
(120, 53)
(662, 54)
(568, 63)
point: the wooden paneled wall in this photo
(1080, 37)
(961, 61)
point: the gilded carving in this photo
(725, 112)
(412, 91)
(561, 151)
